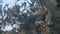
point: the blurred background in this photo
(29, 16)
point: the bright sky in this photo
(11, 3)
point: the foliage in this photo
(40, 17)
